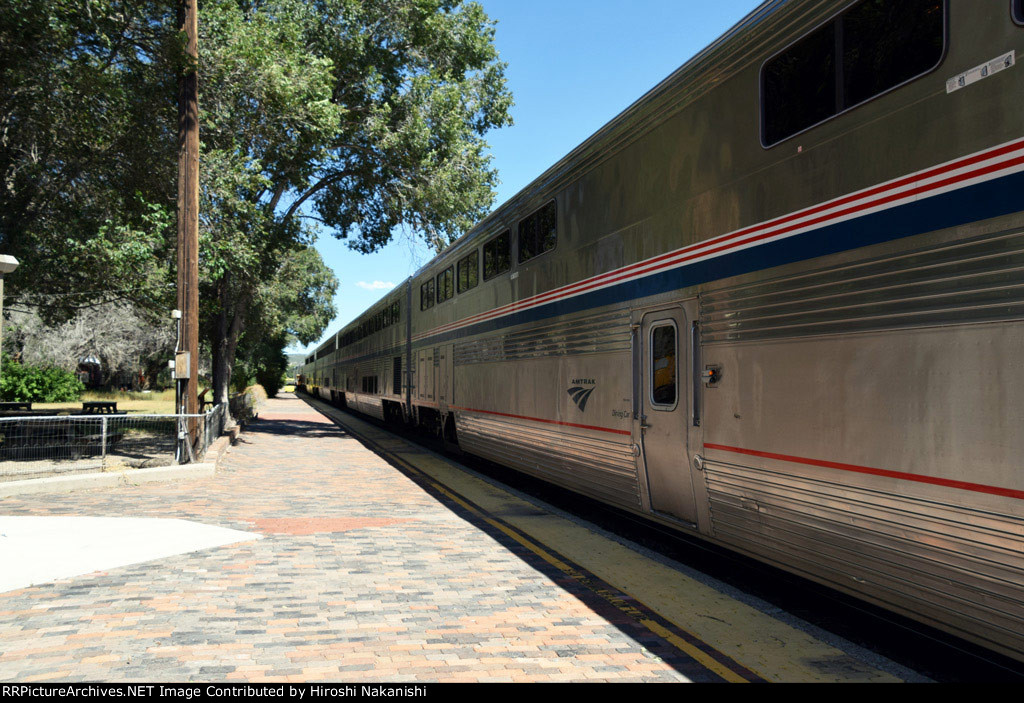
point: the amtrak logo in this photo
(579, 394)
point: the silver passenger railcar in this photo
(777, 303)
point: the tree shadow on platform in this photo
(295, 428)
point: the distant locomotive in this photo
(777, 303)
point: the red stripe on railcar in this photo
(948, 483)
(726, 241)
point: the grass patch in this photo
(157, 402)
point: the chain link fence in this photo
(38, 446)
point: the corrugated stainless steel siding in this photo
(597, 467)
(977, 280)
(592, 335)
(953, 565)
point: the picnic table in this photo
(14, 405)
(100, 407)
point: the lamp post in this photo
(7, 264)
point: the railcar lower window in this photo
(427, 295)
(498, 255)
(370, 384)
(445, 285)
(538, 233)
(467, 272)
(872, 47)
(663, 365)
(1018, 11)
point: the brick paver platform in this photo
(362, 576)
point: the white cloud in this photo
(376, 285)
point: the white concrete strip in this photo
(36, 550)
(60, 484)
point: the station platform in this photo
(326, 549)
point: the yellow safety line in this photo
(679, 643)
(676, 641)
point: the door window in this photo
(663, 381)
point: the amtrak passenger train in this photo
(777, 303)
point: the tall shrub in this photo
(37, 384)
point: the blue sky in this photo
(572, 66)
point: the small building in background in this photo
(90, 372)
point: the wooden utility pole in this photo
(188, 205)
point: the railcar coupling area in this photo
(327, 549)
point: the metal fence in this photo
(214, 421)
(33, 446)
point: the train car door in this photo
(443, 364)
(425, 375)
(662, 345)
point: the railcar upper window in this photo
(467, 272)
(498, 255)
(427, 295)
(663, 365)
(1018, 11)
(538, 232)
(869, 49)
(445, 285)
(799, 86)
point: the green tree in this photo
(86, 151)
(292, 305)
(363, 116)
(360, 115)
(265, 107)
(418, 83)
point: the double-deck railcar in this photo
(777, 303)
